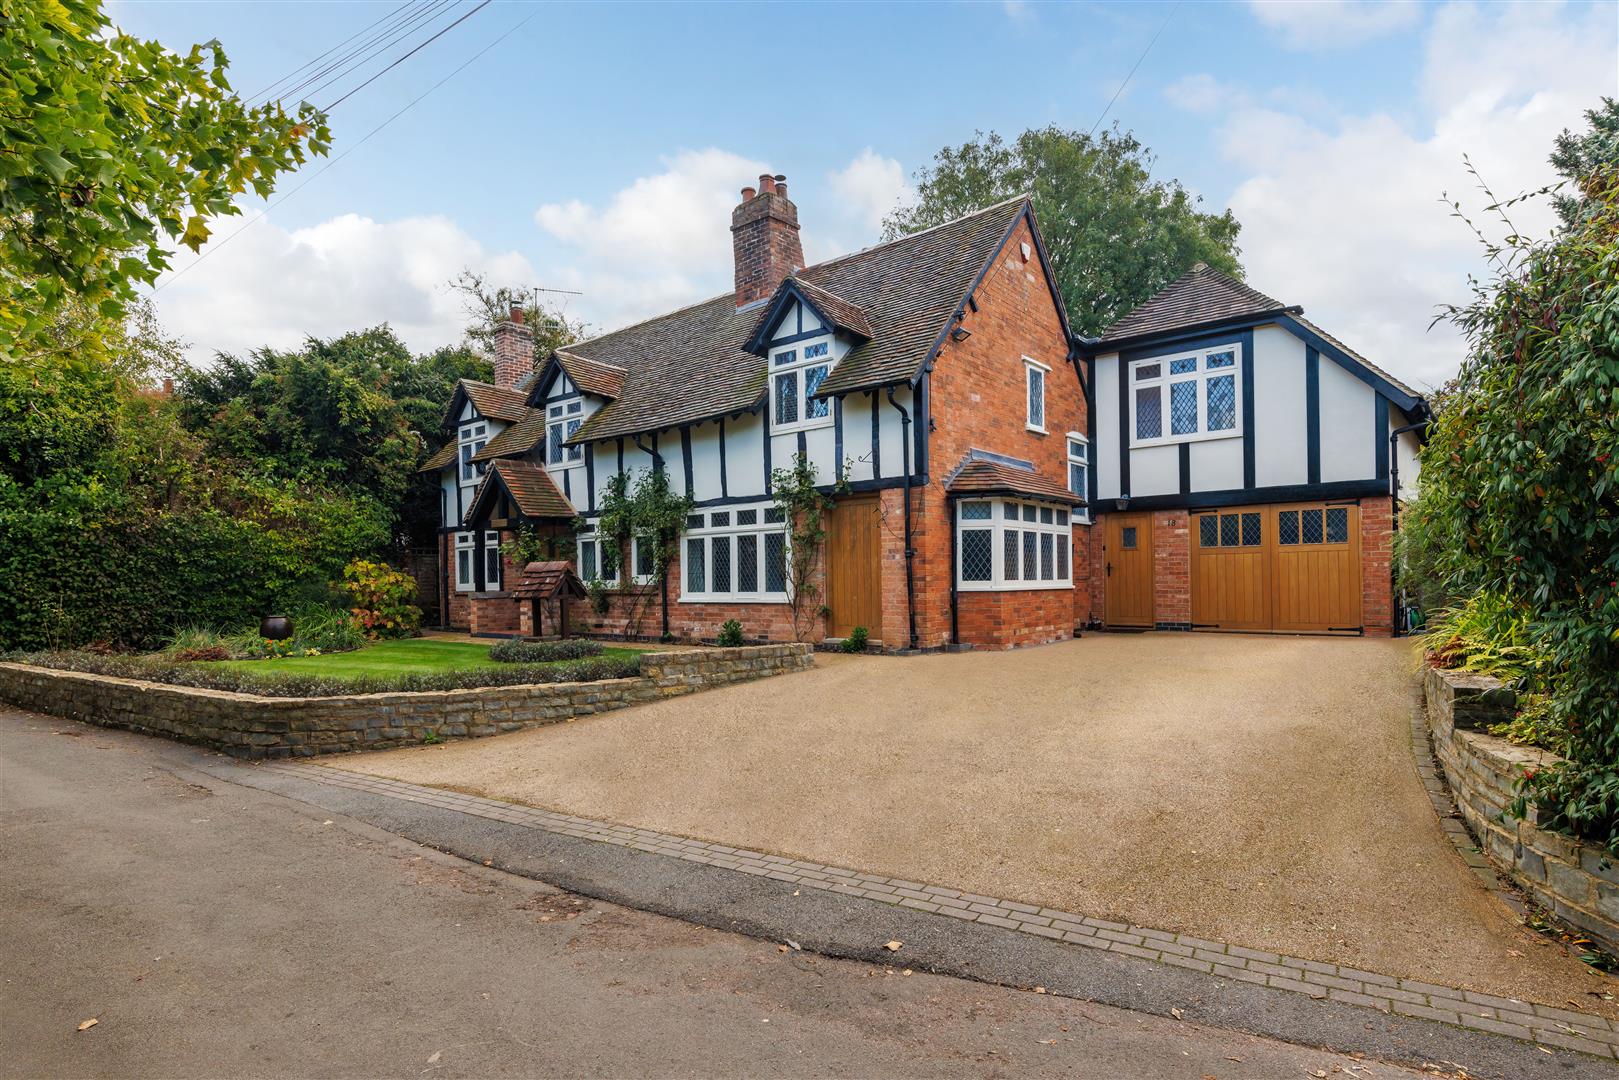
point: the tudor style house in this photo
(1246, 464)
(934, 386)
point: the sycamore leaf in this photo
(53, 163)
(196, 233)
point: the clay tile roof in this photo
(692, 364)
(982, 476)
(592, 376)
(542, 580)
(516, 440)
(495, 401)
(844, 315)
(442, 458)
(1201, 295)
(531, 488)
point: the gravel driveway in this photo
(1256, 790)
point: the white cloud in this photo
(1346, 219)
(664, 240)
(1202, 93)
(1323, 24)
(872, 187)
(271, 286)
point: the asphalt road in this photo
(218, 930)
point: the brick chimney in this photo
(764, 238)
(514, 349)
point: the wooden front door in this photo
(1127, 563)
(854, 584)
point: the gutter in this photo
(910, 552)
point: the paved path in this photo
(1256, 790)
(213, 929)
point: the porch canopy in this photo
(515, 493)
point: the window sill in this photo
(1176, 440)
(721, 598)
(801, 425)
(1021, 586)
(1035, 430)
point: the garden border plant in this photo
(1521, 474)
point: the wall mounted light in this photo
(960, 333)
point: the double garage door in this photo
(1292, 567)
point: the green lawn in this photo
(406, 656)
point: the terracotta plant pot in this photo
(275, 627)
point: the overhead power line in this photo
(341, 66)
(264, 93)
(364, 139)
(1132, 72)
(408, 55)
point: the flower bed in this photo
(261, 725)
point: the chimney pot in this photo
(767, 183)
(517, 313)
(748, 193)
(781, 185)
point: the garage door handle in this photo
(1109, 569)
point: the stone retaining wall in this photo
(246, 725)
(1573, 881)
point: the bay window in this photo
(736, 554)
(1005, 545)
(1186, 397)
(795, 375)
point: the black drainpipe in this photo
(1394, 519)
(910, 553)
(443, 550)
(950, 510)
(663, 576)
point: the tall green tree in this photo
(110, 148)
(1581, 156)
(1114, 234)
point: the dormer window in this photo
(472, 439)
(562, 421)
(795, 375)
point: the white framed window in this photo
(1079, 467)
(1035, 377)
(736, 553)
(491, 561)
(796, 374)
(1186, 397)
(597, 561)
(1004, 545)
(562, 420)
(643, 559)
(472, 438)
(465, 552)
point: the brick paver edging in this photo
(1551, 1027)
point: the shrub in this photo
(382, 599)
(211, 677)
(543, 652)
(1489, 634)
(856, 641)
(730, 634)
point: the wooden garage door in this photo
(1292, 567)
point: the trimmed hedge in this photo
(211, 677)
(544, 652)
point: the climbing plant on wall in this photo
(803, 506)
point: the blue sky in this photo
(600, 146)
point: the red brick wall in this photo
(1376, 553)
(1005, 620)
(1172, 569)
(1098, 574)
(1083, 566)
(978, 399)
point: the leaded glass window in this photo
(1208, 530)
(787, 397)
(775, 562)
(1287, 527)
(1037, 397)
(1183, 408)
(747, 563)
(1010, 545)
(813, 406)
(1062, 558)
(1149, 412)
(1127, 537)
(1047, 556)
(795, 378)
(696, 564)
(1250, 530)
(974, 511)
(1337, 525)
(721, 554)
(1310, 526)
(747, 517)
(1222, 402)
(1183, 365)
(1229, 526)
(975, 559)
(1031, 541)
